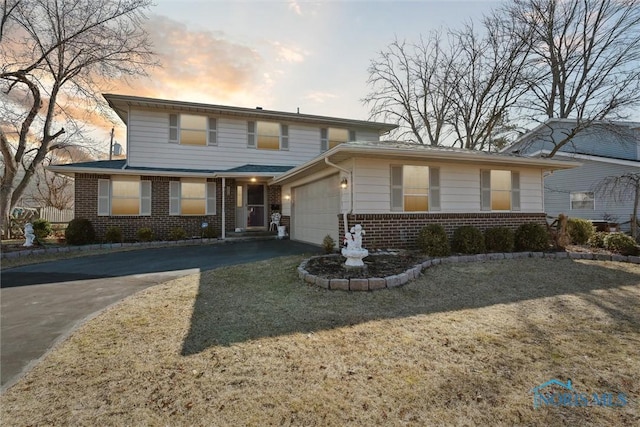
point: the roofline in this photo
(71, 170)
(471, 157)
(615, 161)
(115, 99)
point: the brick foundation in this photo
(86, 206)
(400, 231)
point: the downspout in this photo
(223, 192)
(345, 213)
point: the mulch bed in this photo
(376, 265)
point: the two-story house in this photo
(190, 163)
(604, 149)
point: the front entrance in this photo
(250, 206)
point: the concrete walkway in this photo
(43, 303)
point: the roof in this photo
(120, 167)
(121, 104)
(406, 151)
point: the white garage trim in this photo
(315, 210)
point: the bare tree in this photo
(56, 54)
(487, 80)
(584, 56)
(409, 88)
(622, 188)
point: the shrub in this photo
(499, 239)
(432, 240)
(468, 240)
(41, 228)
(531, 237)
(209, 232)
(113, 235)
(80, 232)
(597, 239)
(328, 244)
(144, 234)
(621, 243)
(177, 233)
(580, 230)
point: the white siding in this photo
(459, 187)
(149, 145)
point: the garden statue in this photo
(354, 251)
(28, 234)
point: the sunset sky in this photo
(283, 55)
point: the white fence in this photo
(56, 216)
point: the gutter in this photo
(344, 213)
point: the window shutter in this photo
(324, 140)
(145, 198)
(515, 191)
(104, 208)
(434, 189)
(251, 134)
(174, 197)
(284, 137)
(173, 128)
(211, 198)
(485, 190)
(396, 188)
(213, 131)
(352, 135)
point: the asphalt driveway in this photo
(43, 303)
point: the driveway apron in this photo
(43, 303)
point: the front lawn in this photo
(252, 345)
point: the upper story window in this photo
(191, 129)
(267, 136)
(192, 196)
(124, 195)
(499, 190)
(582, 200)
(415, 188)
(331, 137)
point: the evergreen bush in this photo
(177, 233)
(41, 228)
(80, 232)
(621, 243)
(113, 235)
(597, 239)
(144, 234)
(531, 237)
(499, 239)
(580, 230)
(328, 244)
(467, 239)
(433, 241)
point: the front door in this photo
(250, 207)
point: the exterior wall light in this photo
(344, 183)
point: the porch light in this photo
(343, 183)
(287, 197)
(253, 180)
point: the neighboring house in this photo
(233, 167)
(604, 149)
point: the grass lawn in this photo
(251, 345)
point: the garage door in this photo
(316, 207)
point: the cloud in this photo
(289, 54)
(320, 97)
(294, 5)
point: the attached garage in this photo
(315, 210)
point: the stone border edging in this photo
(376, 283)
(141, 245)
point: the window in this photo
(192, 196)
(415, 188)
(499, 190)
(124, 195)
(331, 137)
(190, 129)
(268, 136)
(582, 200)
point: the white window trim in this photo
(104, 200)
(211, 132)
(486, 192)
(582, 192)
(434, 201)
(175, 199)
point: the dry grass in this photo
(251, 345)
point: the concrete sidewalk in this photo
(43, 303)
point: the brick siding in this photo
(400, 231)
(86, 206)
